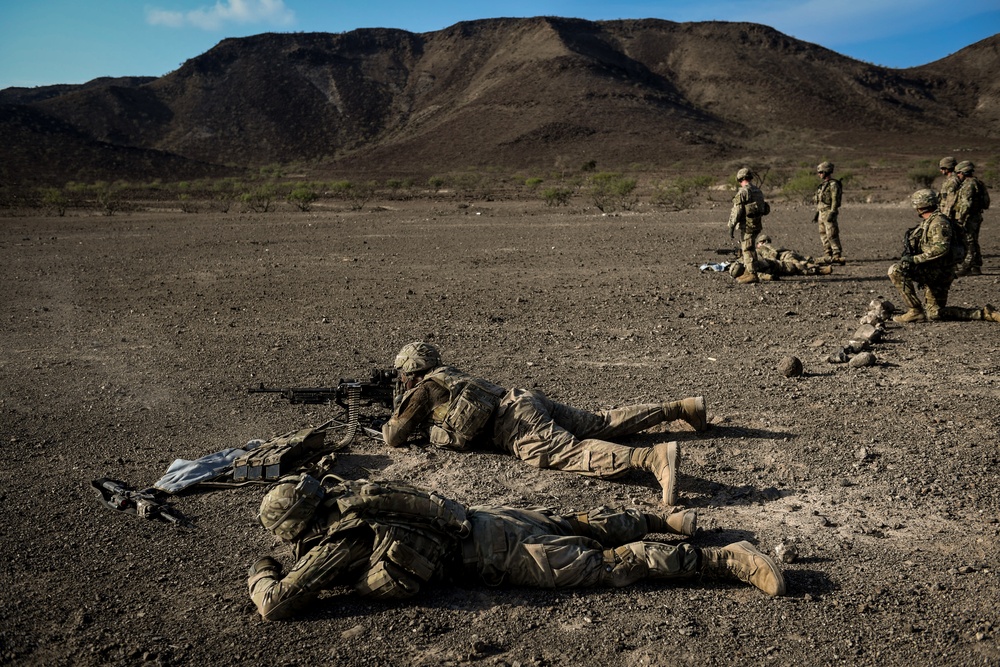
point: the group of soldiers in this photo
(389, 540)
(943, 246)
(758, 259)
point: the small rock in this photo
(862, 359)
(790, 367)
(351, 633)
(786, 552)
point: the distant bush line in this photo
(584, 186)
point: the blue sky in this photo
(72, 41)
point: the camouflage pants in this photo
(936, 281)
(829, 233)
(547, 434)
(748, 243)
(973, 254)
(540, 549)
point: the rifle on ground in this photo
(350, 395)
(147, 504)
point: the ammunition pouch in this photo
(278, 457)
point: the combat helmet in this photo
(965, 167)
(416, 357)
(744, 174)
(824, 168)
(290, 505)
(763, 240)
(924, 199)
(947, 163)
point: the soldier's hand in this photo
(906, 262)
(264, 565)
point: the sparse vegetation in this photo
(54, 200)
(260, 198)
(557, 196)
(611, 191)
(680, 193)
(302, 197)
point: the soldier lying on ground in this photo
(791, 263)
(769, 269)
(388, 539)
(459, 411)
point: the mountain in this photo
(514, 93)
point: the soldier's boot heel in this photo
(742, 561)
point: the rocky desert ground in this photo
(131, 340)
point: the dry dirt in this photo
(130, 341)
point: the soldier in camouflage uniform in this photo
(459, 411)
(388, 540)
(929, 262)
(972, 199)
(747, 214)
(791, 263)
(827, 199)
(949, 189)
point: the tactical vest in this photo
(415, 532)
(471, 403)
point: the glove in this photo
(906, 262)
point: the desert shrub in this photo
(188, 204)
(394, 183)
(680, 193)
(260, 198)
(54, 199)
(589, 165)
(801, 185)
(436, 182)
(271, 171)
(611, 191)
(557, 196)
(108, 197)
(302, 197)
(533, 183)
(922, 178)
(356, 194)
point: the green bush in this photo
(680, 193)
(436, 182)
(533, 183)
(801, 185)
(611, 191)
(302, 197)
(557, 196)
(922, 178)
(53, 198)
(260, 199)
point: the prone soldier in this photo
(389, 540)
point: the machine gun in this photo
(147, 504)
(350, 395)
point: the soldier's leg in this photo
(974, 256)
(613, 527)
(903, 280)
(936, 297)
(629, 420)
(824, 237)
(833, 236)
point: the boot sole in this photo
(749, 549)
(673, 463)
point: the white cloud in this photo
(272, 12)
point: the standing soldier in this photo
(949, 189)
(973, 198)
(827, 210)
(749, 208)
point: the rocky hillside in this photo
(500, 92)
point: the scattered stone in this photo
(351, 633)
(839, 357)
(790, 367)
(862, 359)
(786, 552)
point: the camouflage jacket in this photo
(828, 196)
(973, 198)
(949, 195)
(931, 239)
(748, 207)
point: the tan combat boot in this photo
(683, 522)
(824, 270)
(747, 278)
(837, 259)
(742, 561)
(692, 410)
(989, 314)
(912, 315)
(663, 461)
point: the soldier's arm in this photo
(412, 412)
(279, 596)
(835, 193)
(936, 243)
